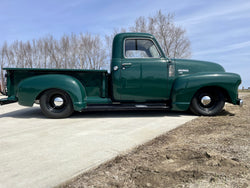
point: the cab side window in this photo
(140, 48)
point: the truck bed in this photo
(94, 81)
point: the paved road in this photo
(40, 152)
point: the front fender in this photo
(185, 87)
(29, 89)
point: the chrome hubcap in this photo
(206, 100)
(58, 101)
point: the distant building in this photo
(247, 88)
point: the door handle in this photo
(126, 64)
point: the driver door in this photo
(143, 75)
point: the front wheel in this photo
(56, 103)
(207, 102)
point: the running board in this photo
(123, 107)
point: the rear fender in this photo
(32, 88)
(185, 87)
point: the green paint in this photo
(154, 78)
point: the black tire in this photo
(212, 103)
(56, 103)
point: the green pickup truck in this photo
(141, 77)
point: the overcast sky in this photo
(219, 30)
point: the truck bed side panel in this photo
(95, 82)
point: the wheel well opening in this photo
(40, 94)
(222, 90)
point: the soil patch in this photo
(205, 152)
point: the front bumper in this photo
(240, 102)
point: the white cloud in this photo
(228, 48)
(229, 11)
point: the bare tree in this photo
(29, 53)
(73, 51)
(64, 51)
(53, 49)
(43, 46)
(172, 38)
(2, 61)
(92, 53)
(109, 43)
(86, 51)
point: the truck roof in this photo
(134, 34)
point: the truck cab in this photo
(139, 69)
(141, 77)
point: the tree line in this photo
(87, 51)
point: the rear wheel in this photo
(56, 103)
(208, 102)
